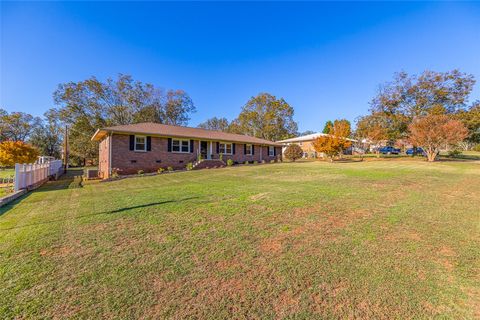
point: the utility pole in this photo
(65, 149)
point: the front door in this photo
(204, 149)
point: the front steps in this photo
(208, 164)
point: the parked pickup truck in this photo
(419, 151)
(389, 150)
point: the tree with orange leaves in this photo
(435, 131)
(372, 128)
(335, 141)
(12, 152)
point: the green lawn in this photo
(7, 173)
(379, 239)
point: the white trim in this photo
(271, 148)
(110, 144)
(144, 143)
(209, 156)
(180, 145)
(251, 149)
(225, 149)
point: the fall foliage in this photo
(373, 128)
(435, 131)
(293, 152)
(407, 97)
(12, 152)
(336, 141)
(264, 116)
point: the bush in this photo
(454, 153)
(272, 161)
(221, 157)
(246, 162)
(115, 173)
(140, 172)
(189, 166)
(160, 170)
(263, 161)
(476, 148)
(293, 152)
(229, 162)
(255, 162)
(170, 169)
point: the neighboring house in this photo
(149, 146)
(306, 143)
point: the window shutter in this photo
(245, 148)
(132, 142)
(218, 147)
(233, 148)
(149, 143)
(169, 145)
(191, 146)
(274, 151)
(253, 149)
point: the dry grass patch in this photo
(383, 239)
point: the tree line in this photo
(430, 110)
(90, 104)
(402, 111)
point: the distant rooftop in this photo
(308, 137)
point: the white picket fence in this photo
(32, 175)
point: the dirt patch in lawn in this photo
(286, 304)
(305, 226)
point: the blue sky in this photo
(325, 59)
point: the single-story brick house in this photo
(149, 146)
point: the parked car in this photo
(389, 150)
(419, 151)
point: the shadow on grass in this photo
(457, 159)
(100, 213)
(145, 205)
(71, 179)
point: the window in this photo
(271, 151)
(248, 149)
(225, 148)
(140, 143)
(180, 145)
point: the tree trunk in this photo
(431, 155)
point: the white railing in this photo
(56, 168)
(32, 175)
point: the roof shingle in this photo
(180, 132)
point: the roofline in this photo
(93, 138)
(302, 139)
(96, 137)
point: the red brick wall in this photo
(129, 162)
(148, 161)
(241, 157)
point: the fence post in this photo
(24, 176)
(17, 176)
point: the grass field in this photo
(381, 239)
(7, 173)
